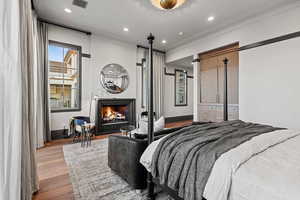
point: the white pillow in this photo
(158, 125)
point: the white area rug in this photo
(91, 177)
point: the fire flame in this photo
(109, 113)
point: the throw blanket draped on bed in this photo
(184, 159)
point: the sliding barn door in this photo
(209, 80)
(212, 84)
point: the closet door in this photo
(209, 80)
(232, 77)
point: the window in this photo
(144, 86)
(64, 77)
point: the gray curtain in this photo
(158, 83)
(42, 60)
(29, 178)
(10, 101)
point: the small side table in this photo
(87, 134)
(127, 130)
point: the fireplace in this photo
(112, 114)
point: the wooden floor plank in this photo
(53, 171)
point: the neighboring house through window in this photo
(64, 76)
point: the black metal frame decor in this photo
(175, 88)
(225, 101)
(150, 180)
(150, 183)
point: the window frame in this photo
(79, 49)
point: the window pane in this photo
(67, 96)
(55, 53)
(72, 78)
(71, 58)
(64, 76)
(56, 95)
(73, 100)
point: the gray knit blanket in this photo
(184, 159)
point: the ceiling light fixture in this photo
(164, 41)
(125, 29)
(167, 4)
(211, 18)
(180, 33)
(68, 10)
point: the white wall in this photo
(170, 110)
(279, 22)
(270, 84)
(103, 51)
(106, 51)
(268, 77)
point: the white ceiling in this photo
(108, 17)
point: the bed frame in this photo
(152, 181)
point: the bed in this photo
(265, 167)
(262, 163)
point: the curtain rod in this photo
(64, 26)
(270, 41)
(250, 46)
(143, 47)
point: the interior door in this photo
(232, 77)
(212, 82)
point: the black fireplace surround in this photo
(112, 114)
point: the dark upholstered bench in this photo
(124, 154)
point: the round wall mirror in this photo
(114, 78)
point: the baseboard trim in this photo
(179, 118)
(59, 134)
(63, 133)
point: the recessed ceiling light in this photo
(164, 41)
(211, 18)
(180, 33)
(68, 10)
(125, 29)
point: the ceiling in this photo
(109, 17)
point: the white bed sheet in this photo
(272, 174)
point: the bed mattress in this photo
(271, 172)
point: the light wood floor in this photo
(53, 171)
